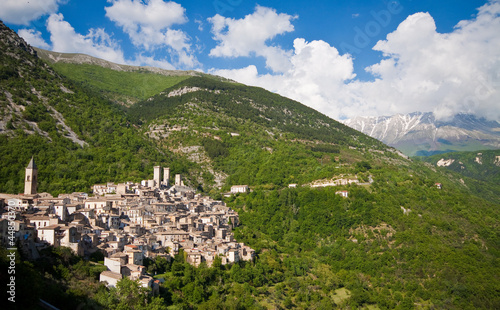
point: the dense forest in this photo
(481, 165)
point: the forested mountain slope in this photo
(396, 241)
(252, 136)
(481, 165)
(77, 137)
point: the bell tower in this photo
(31, 178)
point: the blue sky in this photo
(343, 58)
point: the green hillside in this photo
(251, 135)
(480, 170)
(396, 241)
(125, 87)
(77, 137)
(481, 165)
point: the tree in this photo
(129, 294)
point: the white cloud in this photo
(148, 24)
(200, 24)
(141, 60)
(249, 35)
(422, 70)
(316, 77)
(22, 12)
(96, 43)
(444, 73)
(33, 38)
(157, 14)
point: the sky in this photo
(344, 58)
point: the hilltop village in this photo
(127, 222)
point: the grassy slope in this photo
(120, 86)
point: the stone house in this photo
(110, 277)
(235, 189)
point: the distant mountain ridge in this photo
(422, 134)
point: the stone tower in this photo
(157, 175)
(178, 180)
(166, 176)
(31, 179)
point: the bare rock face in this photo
(11, 39)
(421, 134)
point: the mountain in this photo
(77, 137)
(122, 84)
(395, 241)
(251, 135)
(421, 134)
(205, 127)
(484, 165)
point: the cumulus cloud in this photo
(316, 77)
(33, 38)
(422, 70)
(141, 60)
(249, 35)
(22, 12)
(96, 43)
(443, 73)
(149, 25)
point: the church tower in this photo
(31, 179)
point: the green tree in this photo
(129, 294)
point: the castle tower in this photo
(157, 175)
(31, 178)
(178, 180)
(166, 176)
